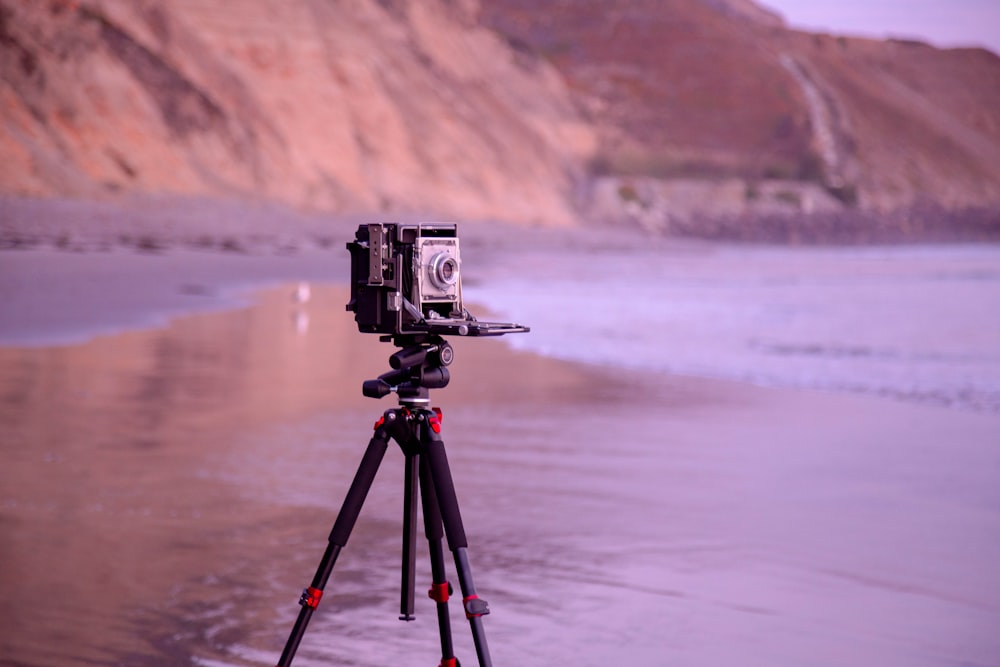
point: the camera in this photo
(407, 279)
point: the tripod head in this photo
(418, 367)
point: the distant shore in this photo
(917, 224)
(86, 256)
(155, 223)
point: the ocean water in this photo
(914, 323)
(174, 487)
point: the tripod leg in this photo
(440, 589)
(406, 596)
(342, 527)
(444, 487)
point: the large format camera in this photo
(406, 284)
(407, 279)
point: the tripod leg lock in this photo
(440, 592)
(311, 597)
(435, 420)
(474, 606)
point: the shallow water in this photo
(166, 495)
(919, 324)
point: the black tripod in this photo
(418, 367)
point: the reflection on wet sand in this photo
(158, 485)
(166, 494)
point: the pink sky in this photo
(942, 23)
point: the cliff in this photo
(665, 111)
(363, 106)
(680, 89)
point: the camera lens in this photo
(443, 270)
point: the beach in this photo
(179, 430)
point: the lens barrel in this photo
(443, 270)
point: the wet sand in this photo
(167, 492)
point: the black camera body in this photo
(406, 279)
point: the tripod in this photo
(418, 367)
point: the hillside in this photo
(404, 107)
(665, 112)
(680, 89)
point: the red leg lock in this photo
(440, 592)
(311, 597)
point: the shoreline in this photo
(196, 254)
(60, 297)
(55, 297)
(151, 222)
(182, 468)
(186, 463)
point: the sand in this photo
(169, 481)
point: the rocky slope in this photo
(679, 89)
(668, 112)
(360, 106)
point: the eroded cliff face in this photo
(712, 90)
(362, 106)
(907, 123)
(542, 111)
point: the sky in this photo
(943, 23)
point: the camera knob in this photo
(446, 354)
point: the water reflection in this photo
(112, 504)
(166, 494)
